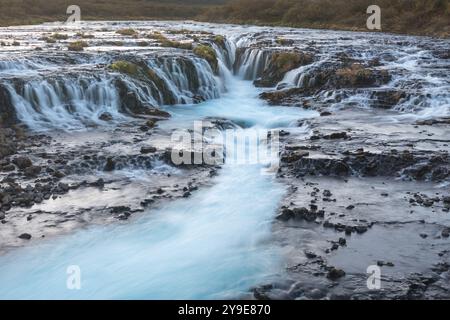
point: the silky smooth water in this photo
(215, 244)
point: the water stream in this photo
(212, 245)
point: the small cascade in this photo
(251, 62)
(75, 96)
(64, 103)
(189, 80)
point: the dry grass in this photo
(430, 17)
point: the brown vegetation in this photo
(430, 17)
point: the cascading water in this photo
(75, 97)
(210, 246)
(215, 244)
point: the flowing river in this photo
(218, 242)
(213, 245)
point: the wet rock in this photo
(106, 116)
(361, 229)
(100, 183)
(310, 254)
(294, 156)
(25, 236)
(22, 162)
(7, 167)
(146, 150)
(445, 233)
(387, 99)
(279, 64)
(285, 215)
(119, 209)
(32, 171)
(335, 274)
(336, 135)
(110, 164)
(381, 263)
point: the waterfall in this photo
(73, 98)
(251, 63)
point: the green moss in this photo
(85, 36)
(286, 61)
(125, 67)
(77, 45)
(219, 40)
(49, 40)
(113, 43)
(207, 53)
(127, 32)
(170, 43)
(58, 36)
(143, 44)
(354, 75)
(283, 41)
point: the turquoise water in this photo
(215, 244)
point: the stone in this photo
(285, 215)
(106, 116)
(22, 162)
(25, 236)
(32, 171)
(110, 164)
(146, 150)
(334, 274)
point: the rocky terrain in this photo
(87, 116)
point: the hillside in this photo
(423, 17)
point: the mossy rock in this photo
(165, 42)
(284, 42)
(77, 46)
(123, 66)
(142, 72)
(58, 36)
(127, 32)
(357, 75)
(206, 52)
(85, 35)
(220, 41)
(280, 63)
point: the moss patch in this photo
(207, 53)
(125, 67)
(77, 46)
(219, 40)
(170, 43)
(127, 32)
(355, 75)
(58, 36)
